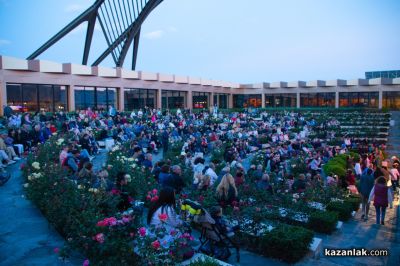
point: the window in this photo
(221, 100)
(139, 98)
(320, 99)
(280, 100)
(200, 100)
(97, 98)
(35, 97)
(391, 99)
(358, 99)
(249, 100)
(173, 99)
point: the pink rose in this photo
(148, 197)
(172, 233)
(112, 221)
(236, 209)
(154, 199)
(163, 217)
(56, 250)
(99, 238)
(131, 234)
(101, 223)
(86, 262)
(155, 244)
(154, 192)
(142, 231)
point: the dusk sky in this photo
(239, 41)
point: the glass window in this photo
(200, 100)
(248, 100)
(60, 98)
(173, 99)
(14, 96)
(139, 98)
(46, 98)
(391, 99)
(30, 97)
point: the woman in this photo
(226, 190)
(164, 205)
(381, 196)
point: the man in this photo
(148, 161)
(72, 161)
(211, 173)
(366, 185)
(7, 149)
(175, 181)
(165, 140)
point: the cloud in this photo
(74, 8)
(153, 35)
(4, 42)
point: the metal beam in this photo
(89, 37)
(135, 50)
(85, 16)
(133, 29)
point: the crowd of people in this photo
(237, 135)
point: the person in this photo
(226, 190)
(211, 173)
(165, 204)
(395, 175)
(164, 177)
(120, 185)
(300, 184)
(71, 162)
(111, 111)
(264, 184)
(366, 185)
(165, 140)
(175, 179)
(86, 174)
(381, 196)
(7, 149)
(220, 222)
(148, 161)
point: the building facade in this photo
(33, 85)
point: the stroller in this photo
(213, 241)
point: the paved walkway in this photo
(26, 238)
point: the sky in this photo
(240, 41)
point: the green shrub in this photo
(354, 201)
(286, 242)
(337, 169)
(344, 210)
(323, 221)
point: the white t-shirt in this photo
(172, 221)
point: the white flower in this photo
(131, 159)
(128, 178)
(30, 177)
(26, 185)
(36, 165)
(60, 141)
(133, 166)
(80, 187)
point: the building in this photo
(391, 74)
(32, 85)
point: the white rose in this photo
(26, 185)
